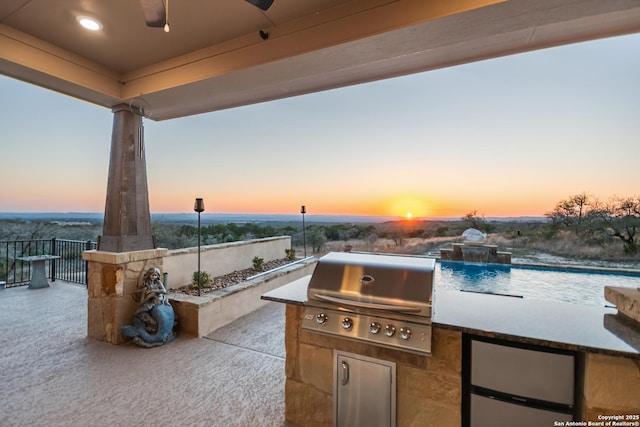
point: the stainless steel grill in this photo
(381, 299)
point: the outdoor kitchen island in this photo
(431, 390)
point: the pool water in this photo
(583, 287)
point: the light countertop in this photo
(548, 323)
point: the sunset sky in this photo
(504, 137)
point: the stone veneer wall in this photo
(475, 252)
(429, 389)
(611, 387)
(113, 278)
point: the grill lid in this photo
(400, 284)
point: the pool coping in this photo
(558, 267)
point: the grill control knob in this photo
(405, 333)
(347, 323)
(374, 327)
(389, 330)
(321, 318)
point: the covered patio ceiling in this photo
(215, 57)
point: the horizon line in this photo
(4, 213)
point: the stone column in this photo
(113, 278)
(126, 249)
(127, 221)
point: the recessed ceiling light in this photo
(89, 23)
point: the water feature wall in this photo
(475, 252)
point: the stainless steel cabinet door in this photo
(364, 391)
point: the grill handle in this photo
(374, 306)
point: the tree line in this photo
(593, 219)
(581, 216)
(315, 235)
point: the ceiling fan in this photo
(156, 11)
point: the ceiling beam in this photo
(334, 27)
(30, 59)
(490, 32)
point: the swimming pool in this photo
(577, 287)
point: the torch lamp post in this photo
(303, 210)
(199, 207)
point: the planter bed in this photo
(201, 315)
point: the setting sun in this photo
(408, 206)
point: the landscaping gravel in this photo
(221, 282)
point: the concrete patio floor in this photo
(51, 374)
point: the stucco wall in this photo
(198, 316)
(222, 258)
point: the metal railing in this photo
(69, 267)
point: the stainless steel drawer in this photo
(522, 372)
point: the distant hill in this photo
(217, 218)
(92, 217)
(518, 219)
(188, 218)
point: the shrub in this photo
(205, 279)
(258, 263)
(291, 254)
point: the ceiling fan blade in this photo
(154, 13)
(262, 4)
